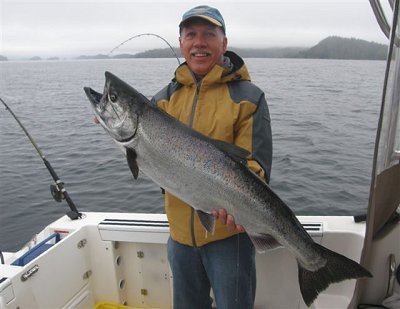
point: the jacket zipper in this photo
(196, 95)
(191, 120)
(192, 227)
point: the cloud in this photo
(68, 28)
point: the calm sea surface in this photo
(324, 117)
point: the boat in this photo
(119, 260)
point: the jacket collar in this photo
(218, 74)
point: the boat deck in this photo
(122, 258)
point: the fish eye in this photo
(112, 97)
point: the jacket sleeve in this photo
(253, 132)
(162, 95)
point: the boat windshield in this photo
(384, 197)
(388, 153)
(384, 193)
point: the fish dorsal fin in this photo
(264, 242)
(207, 220)
(131, 156)
(237, 153)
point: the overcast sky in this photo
(70, 28)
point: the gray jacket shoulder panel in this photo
(166, 92)
(262, 136)
(244, 90)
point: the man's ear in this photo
(225, 44)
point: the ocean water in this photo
(324, 117)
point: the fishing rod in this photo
(146, 34)
(58, 190)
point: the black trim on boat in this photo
(130, 220)
(135, 224)
(309, 227)
(127, 222)
(3, 279)
(312, 227)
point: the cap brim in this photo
(210, 19)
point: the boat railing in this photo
(381, 18)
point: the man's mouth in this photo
(200, 54)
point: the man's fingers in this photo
(240, 228)
(220, 214)
(229, 220)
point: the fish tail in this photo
(336, 269)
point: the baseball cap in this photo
(206, 12)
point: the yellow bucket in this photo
(107, 305)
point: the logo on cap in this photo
(206, 12)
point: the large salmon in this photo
(209, 174)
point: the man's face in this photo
(203, 45)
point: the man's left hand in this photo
(227, 219)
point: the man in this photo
(212, 93)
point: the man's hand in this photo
(229, 220)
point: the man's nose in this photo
(200, 41)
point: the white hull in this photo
(102, 259)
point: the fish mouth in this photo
(95, 100)
(93, 96)
(111, 118)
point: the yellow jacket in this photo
(223, 105)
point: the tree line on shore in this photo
(332, 47)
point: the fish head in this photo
(118, 108)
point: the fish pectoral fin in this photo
(207, 220)
(264, 242)
(131, 158)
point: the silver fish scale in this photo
(207, 178)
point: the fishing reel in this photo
(56, 192)
(59, 193)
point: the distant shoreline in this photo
(332, 47)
